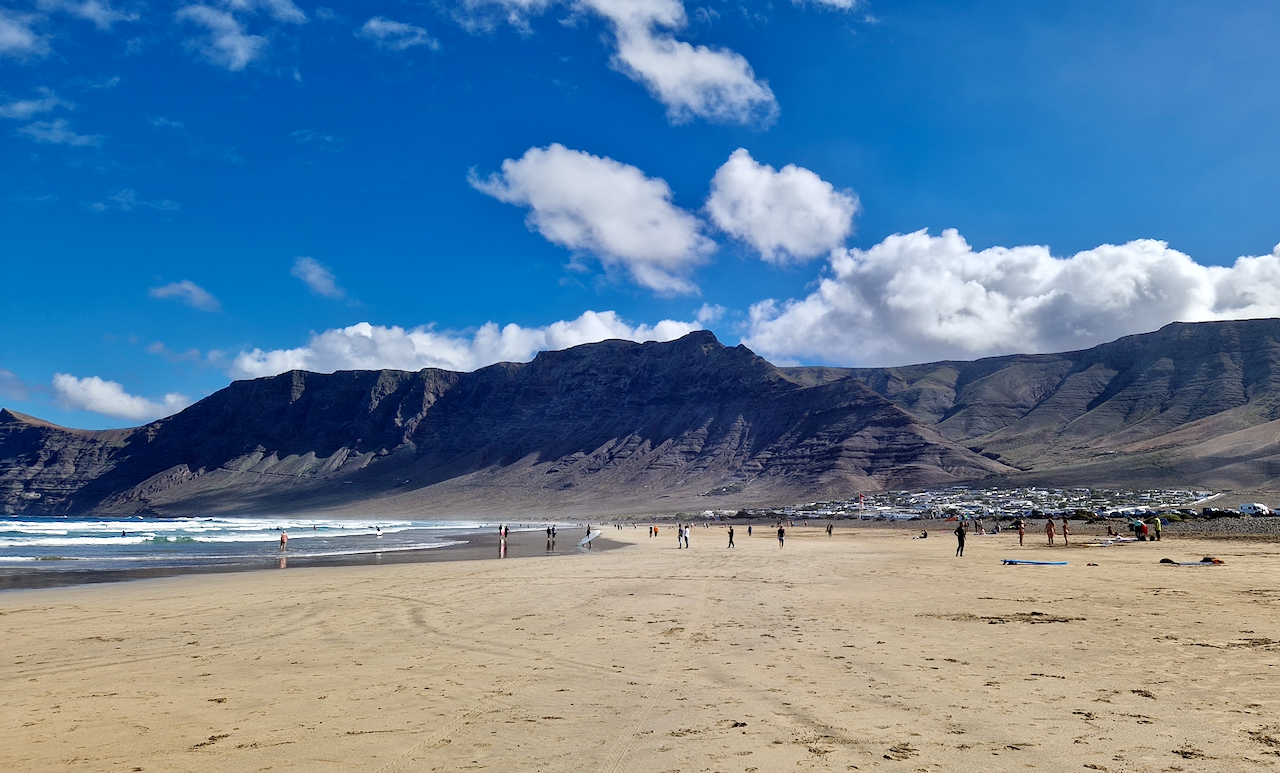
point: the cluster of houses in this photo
(1006, 504)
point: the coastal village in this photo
(1012, 503)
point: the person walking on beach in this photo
(730, 536)
(1049, 531)
(830, 528)
(960, 535)
(782, 535)
(748, 530)
(1066, 531)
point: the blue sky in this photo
(196, 192)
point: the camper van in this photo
(1253, 508)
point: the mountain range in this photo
(618, 427)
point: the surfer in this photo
(730, 536)
(960, 535)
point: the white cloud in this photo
(787, 215)
(189, 293)
(839, 5)
(110, 399)
(228, 44)
(715, 84)
(58, 132)
(17, 37)
(395, 35)
(916, 298)
(691, 81)
(280, 10)
(612, 210)
(373, 347)
(709, 313)
(23, 109)
(127, 199)
(318, 277)
(100, 13)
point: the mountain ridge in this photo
(609, 426)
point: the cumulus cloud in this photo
(100, 13)
(714, 84)
(189, 293)
(23, 109)
(691, 81)
(787, 215)
(609, 209)
(318, 277)
(58, 132)
(127, 199)
(227, 43)
(395, 35)
(18, 38)
(110, 399)
(373, 347)
(916, 298)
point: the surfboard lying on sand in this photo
(587, 539)
(1013, 561)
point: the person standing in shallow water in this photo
(960, 535)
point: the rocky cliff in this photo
(1190, 404)
(599, 428)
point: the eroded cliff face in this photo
(598, 428)
(1190, 404)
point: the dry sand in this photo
(864, 651)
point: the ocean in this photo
(34, 550)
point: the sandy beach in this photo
(866, 650)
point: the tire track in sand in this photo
(655, 692)
(408, 756)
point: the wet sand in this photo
(867, 650)
(523, 544)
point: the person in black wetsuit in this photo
(960, 535)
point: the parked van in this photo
(1253, 508)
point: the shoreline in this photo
(485, 546)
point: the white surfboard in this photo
(587, 539)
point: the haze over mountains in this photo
(618, 426)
